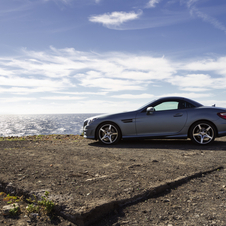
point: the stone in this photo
(33, 215)
(6, 209)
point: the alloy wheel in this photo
(108, 134)
(203, 133)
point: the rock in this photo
(21, 178)
(33, 215)
(116, 224)
(6, 209)
(10, 188)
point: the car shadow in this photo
(183, 144)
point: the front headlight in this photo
(91, 121)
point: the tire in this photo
(202, 132)
(108, 133)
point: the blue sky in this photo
(100, 56)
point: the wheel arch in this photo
(104, 122)
(202, 120)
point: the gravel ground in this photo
(201, 201)
(86, 180)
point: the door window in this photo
(168, 105)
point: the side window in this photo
(184, 104)
(188, 105)
(168, 105)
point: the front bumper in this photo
(89, 132)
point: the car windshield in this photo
(146, 105)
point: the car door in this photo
(166, 119)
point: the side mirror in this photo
(150, 110)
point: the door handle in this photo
(178, 115)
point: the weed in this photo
(2, 194)
(32, 208)
(11, 199)
(45, 203)
(49, 205)
(15, 210)
(32, 200)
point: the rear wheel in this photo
(202, 133)
(108, 133)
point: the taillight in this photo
(222, 115)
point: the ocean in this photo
(24, 125)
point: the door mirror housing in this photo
(150, 110)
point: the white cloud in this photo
(216, 65)
(192, 80)
(109, 84)
(4, 72)
(33, 82)
(191, 4)
(194, 89)
(145, 67)
(106, 106)
(152, 3)
(41, 63)
(62, 98)
(218, 103)
(199, 82)
(113, 75)
(59, 1)
(115, 18)
(15, 99)
(26, 91)
(133, 96)
(187, 95)
(217, 24)
(83, 93)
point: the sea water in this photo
(24, 125)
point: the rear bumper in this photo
(221, 134)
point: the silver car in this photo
(169, 117)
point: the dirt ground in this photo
(113, 185)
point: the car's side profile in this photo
(169, 117)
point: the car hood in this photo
(109, 116)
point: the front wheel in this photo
(202, 133)
(108, 133)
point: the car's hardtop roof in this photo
(195, 103)
(173, 98)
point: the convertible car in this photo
(169, 117)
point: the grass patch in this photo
(52, 137)
(45, 204)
